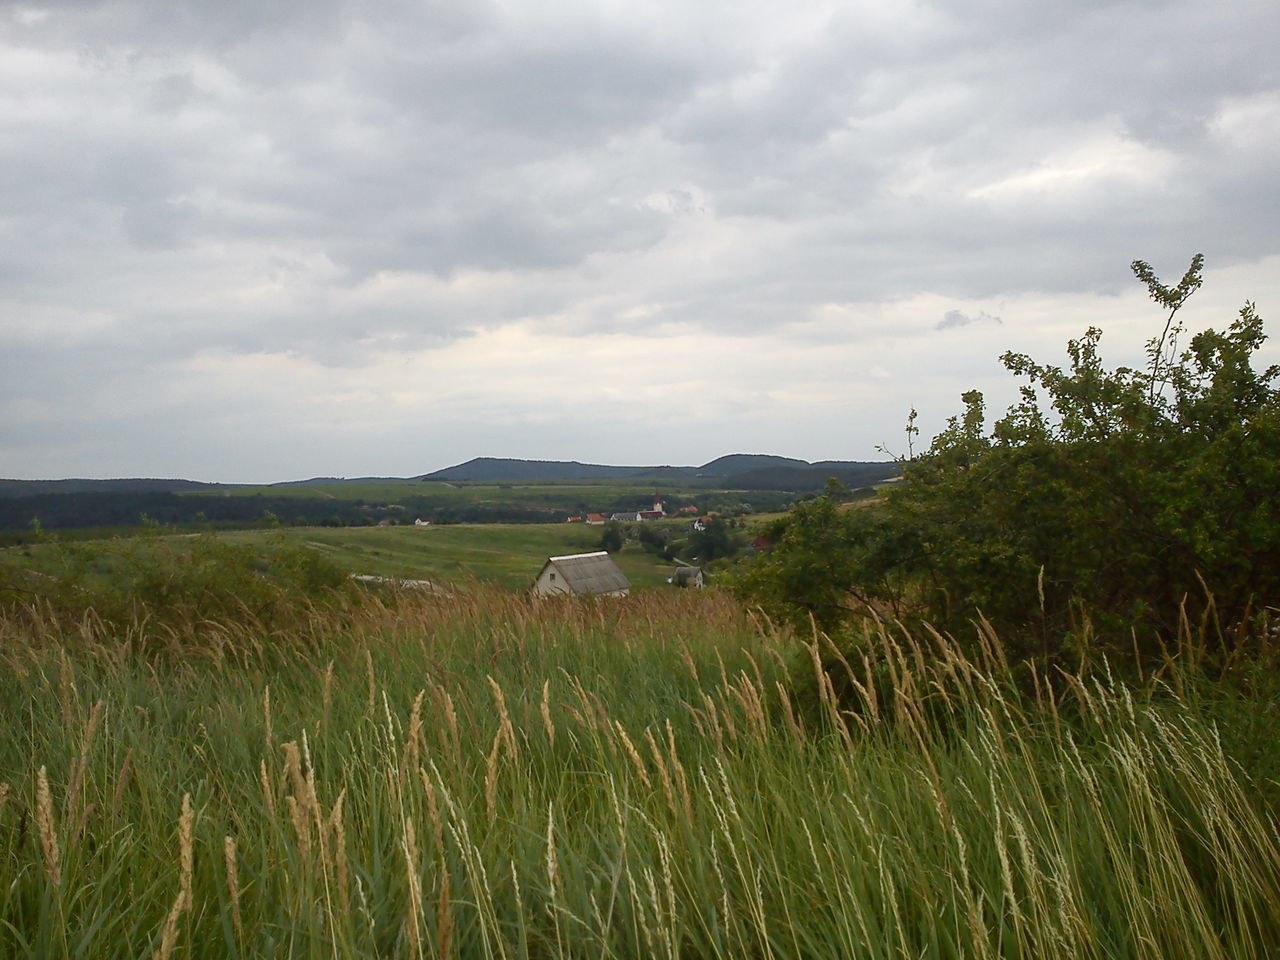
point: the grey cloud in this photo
(234, 176)
(953, 319)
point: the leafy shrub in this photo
(1112, 508)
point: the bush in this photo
(612, 537)
(1120, 509)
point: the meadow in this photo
(406, 774)
(503, 553)
(509, 555)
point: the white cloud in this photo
(1100, 161)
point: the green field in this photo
(220, 746)
(509, 555)
(409, 775)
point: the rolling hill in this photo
(758, 470)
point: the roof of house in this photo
(590, 572)
(688, 573)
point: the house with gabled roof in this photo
(581, 574)
(688, 577)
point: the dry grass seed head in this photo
(45, 825)
(491, 776)
(337, 833)
(269, 736)
(504, 718)
(186, 848)
(182, 903)
(268, 793)
(412, 744)
(633, 754)
(326, 696)
(301, 828)
(433, 810)
(664, 777)
(233, 883)
(445, 702)
(545, 709)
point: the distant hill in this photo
(736, 463)
(337, 481)
(502, 468)
(747, 471)
(31, 488)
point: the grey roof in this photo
(688, 573)
(590, 573)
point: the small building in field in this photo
(651, 514)
(626, 516)
(581, 574)
(422, 522)
(595, 519)
(689, 577)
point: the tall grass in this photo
(483, 775)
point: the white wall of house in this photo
(549, 581)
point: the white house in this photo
(581, 574)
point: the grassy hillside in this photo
(485, 776)
(508, 555)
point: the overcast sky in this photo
(260, 240)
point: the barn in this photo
(581, 574)
(688, 577)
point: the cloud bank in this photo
(256, 241)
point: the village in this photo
(596, 573)
(656, 512)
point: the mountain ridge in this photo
(746, 470)
(729, 467)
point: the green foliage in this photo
(1105, 507)
(612, 537)
(170, 581)
(716, 541)
(491, 776)
(653, 538)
